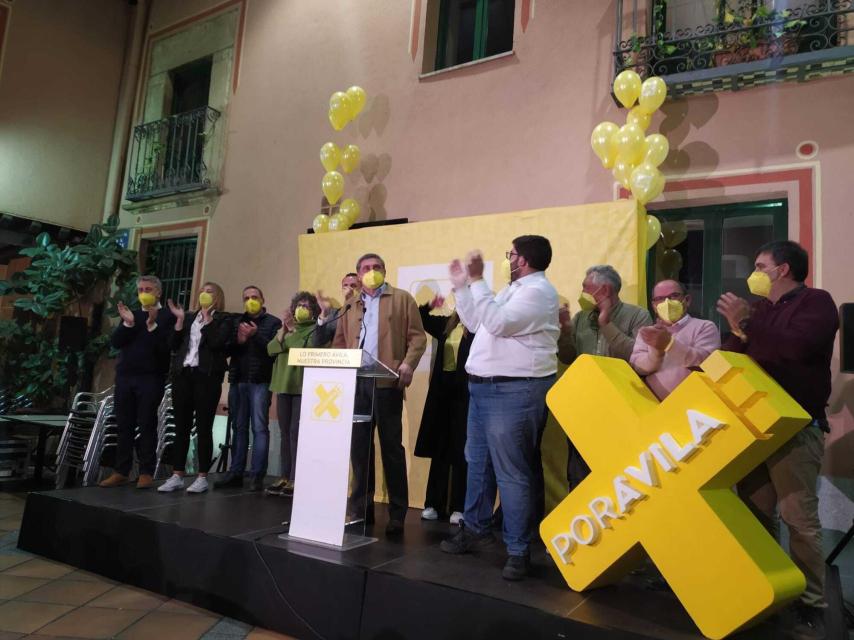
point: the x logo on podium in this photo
(326, 401)
(661, 483)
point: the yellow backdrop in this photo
(416, 256)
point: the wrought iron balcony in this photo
(744, 42)
(168, 156)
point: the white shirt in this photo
(516, 331)
(192, 358)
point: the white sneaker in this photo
(429, 514)
(172, 484)
(456, 517)
(200, 485)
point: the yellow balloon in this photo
(600, 140)
(339, 102)
(350, 158)
(357, 97)
(337, 121)
(320, 224)
(627, 87)
(350, 209)
(656, 149)
(653, 231)
(623, 171)
(646, 182)
(338, 223)
(333, 186)
(629, 142)
(674, 233)
(638, 117)
(670, 263)
(330, 156)
(652, 94)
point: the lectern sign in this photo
(661, 483)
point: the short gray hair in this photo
(153, 280)
(606, 274)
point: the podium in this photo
(335, 432)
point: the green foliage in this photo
(57, 280)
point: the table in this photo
(45, 423)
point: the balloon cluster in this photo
(632, 155)
(344, 106)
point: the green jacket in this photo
(287, 379)
(616, 340)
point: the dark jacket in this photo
(792, 340)
(143, 352)
(443, 423)
(250, 361)
(216, 339)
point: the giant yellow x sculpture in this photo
(661, 483)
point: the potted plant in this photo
(755, 32)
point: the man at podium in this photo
(384, 322)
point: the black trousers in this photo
(136, 400)
(288, 412)
(441, 468)
(576, 467)
(195, 396)
(387, 419)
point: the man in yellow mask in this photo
(605, 326)
(666, 352)
(142, 339)
(790, 331)
(384, 322)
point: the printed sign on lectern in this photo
(661, 482)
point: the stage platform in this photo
(221, 551)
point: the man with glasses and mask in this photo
(605, 326)
(511, 366)
(790, 333)
(666, 352)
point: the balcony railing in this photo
(168, 156)
(746, 43)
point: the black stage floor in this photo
(221, 551)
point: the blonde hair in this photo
(218, 296)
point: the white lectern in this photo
(337, 398)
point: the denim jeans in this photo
(250, 402)
(504, 423)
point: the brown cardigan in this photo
(401, 333)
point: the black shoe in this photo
(466, 540)
(229, 481)
(394, 527)
(516, 567)
(808, 623)
(256, 483)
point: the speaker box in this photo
(846, 337)
(72, 333)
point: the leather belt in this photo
(496, 379)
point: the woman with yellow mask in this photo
(299, 323)
(200, 343)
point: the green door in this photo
(711, 249)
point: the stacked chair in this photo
(90, 414)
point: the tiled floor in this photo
(41, 599)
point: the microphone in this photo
(341, 313)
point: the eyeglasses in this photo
(510, 254)
(672, 296)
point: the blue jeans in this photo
(504, 423)
(249, 401)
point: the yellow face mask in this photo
(373, 279)
(301, 314)
(670, 310)
(586, 301)
(205, 300)
(506, 271)
(252, 306)
(147, 299)
(759, 284)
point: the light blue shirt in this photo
(369, 334)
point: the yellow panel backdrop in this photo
(417, 255)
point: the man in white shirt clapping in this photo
(511, 366)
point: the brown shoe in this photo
(145, 481)
(114, 480)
